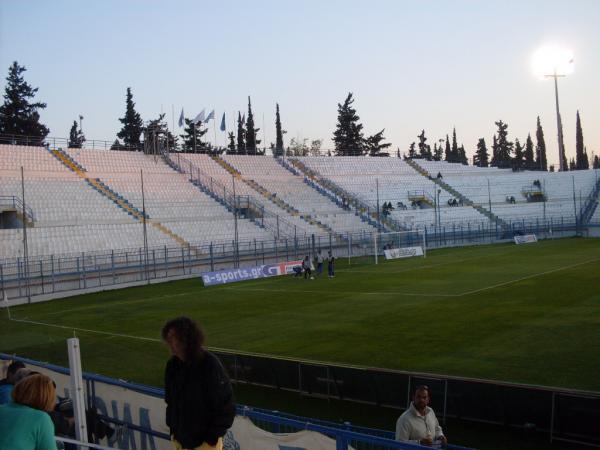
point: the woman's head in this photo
(36, 391)
(184, 338)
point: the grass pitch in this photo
(527, 314)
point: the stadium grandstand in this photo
(80, 220)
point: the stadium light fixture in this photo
(554, 61)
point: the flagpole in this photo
(215, 131)
(264, 134)
(173, 116)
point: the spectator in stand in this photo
(331, 264)
(439, 176)
(418, 424)
(7, 384)
(24, 423)
(198, 393)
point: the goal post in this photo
(399, 244)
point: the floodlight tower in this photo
(555, 62)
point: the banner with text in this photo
(404, 252)
(249, 273)
(526, 239)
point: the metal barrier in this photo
(345, 435)
(23, 278)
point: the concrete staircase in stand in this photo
(462, 198)
(116, 198)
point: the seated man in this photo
(418, 424)
(7, 384)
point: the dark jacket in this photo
(200, 404)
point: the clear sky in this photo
(411, 65)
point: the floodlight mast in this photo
(561, 144)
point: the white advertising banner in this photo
(404, 252)
(525, 239)
(244, 435)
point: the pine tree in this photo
(424, 148)
(572, 164)
(241, 136)
(132, 123)
(278, 151)
(76, 137)
(116, 145)
(540, 149)
(596, 164)
(448, 151)
(231, 146)
(582, 162)
(251, 132)
(518, 161)
(481, 158)
(504, 147)
(348, 136)
(17, 115)
(528, 157)
(374, 146)
(193, 143)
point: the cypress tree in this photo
(572, 164)
(348, 136)
(448, 151)
(462, 156)
(278, 133)
(231, 145)
(132, 123)
(494, 149)
(481, 155)
(596, 162)
(437, 152)
(528, 156)
(412, 152)
(17, 115)
(519, 158)
(241, 136)
(582, 162)
(251, 132)
(454, 152)
(540, 149)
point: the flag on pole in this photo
(223, 123)
(199, 117)
(211, 115)
(181, 118)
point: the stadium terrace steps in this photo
(119, 200)
(463, 198)
(272, 197)
(590, 206)
(365, 213)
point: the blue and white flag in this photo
(211, 115)
(181, 118)
(223, 123)
(199, 117)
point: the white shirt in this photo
(412, 426)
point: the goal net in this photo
(399, 244)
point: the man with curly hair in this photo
(200, 404)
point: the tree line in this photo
(19, 116)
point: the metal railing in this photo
(14, 202)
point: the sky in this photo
(411, 65)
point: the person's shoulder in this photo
(405, 415)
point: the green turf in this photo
(526, 314)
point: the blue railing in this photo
(345, 435)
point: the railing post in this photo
(112, 266)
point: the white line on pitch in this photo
(308, 291)
(528, 277)
(85, 330)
